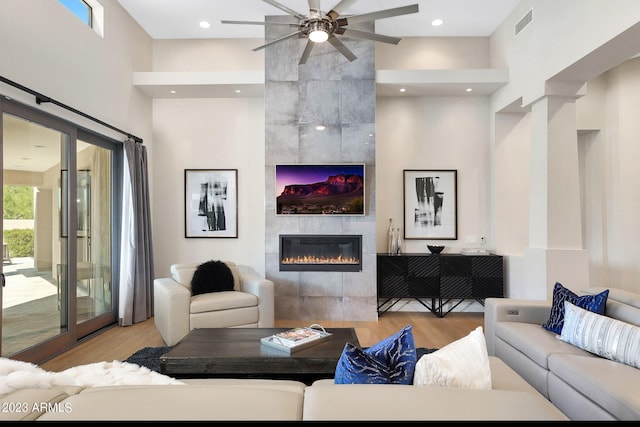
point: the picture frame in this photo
(430, 204)
(211, 203)
(324, 189)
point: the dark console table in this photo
(436, 280)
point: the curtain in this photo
(101, 221)
(136, 258)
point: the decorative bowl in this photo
(434, 249)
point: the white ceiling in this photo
(178, 19)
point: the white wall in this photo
(207, 55)
(46, 48)
(561, 34)
(568, 43)
(433, 133)
(434, 53)
(208, 134)
(614, 176)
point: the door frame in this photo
(75, 332)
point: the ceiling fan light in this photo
(319, 32)
(318, 36)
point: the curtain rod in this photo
(40, 98)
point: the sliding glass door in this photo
(58, 196)
(95, 191)
(31, 304)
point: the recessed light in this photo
(469, 89)
(437, 22)
(238, 91)
(320, 127)
(172, 91)
(204, 24)
(402, 89)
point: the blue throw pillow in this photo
(390, 361)
(355, 366)
(594, 303)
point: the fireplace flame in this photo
(310, 259)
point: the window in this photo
(89, 11)
(79, 8)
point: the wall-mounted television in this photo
(320, 189)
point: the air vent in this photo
(522, 23)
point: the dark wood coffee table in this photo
(238, 353)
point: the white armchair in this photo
(177, 312)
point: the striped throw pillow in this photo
(601, 335)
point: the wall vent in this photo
(522, 23)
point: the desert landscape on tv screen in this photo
(320, 189)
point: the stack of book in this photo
(296, 339)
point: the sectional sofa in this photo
(511, 398)
(582, 384)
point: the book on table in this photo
(296, 339)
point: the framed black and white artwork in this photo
(211, 203)
(430, 204)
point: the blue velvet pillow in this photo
(594, 303)
(390, 361)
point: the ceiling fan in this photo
(319, 26)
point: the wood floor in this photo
(118, 343)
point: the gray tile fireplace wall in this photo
(340, 95)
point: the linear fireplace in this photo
(320, 252)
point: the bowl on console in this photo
(434, 249)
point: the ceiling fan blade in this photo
(314, 5)
(381, 14)
(369, 36)
(288, 36)
(285, 8)
(307, 51)
(342, 48)
(340, 7)
(258, 23)
(243, 22)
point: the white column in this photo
(555, 252)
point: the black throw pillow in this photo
(211, 276)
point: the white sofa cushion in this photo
(399, 402)
(246, 317)
(29, 404)
(532, 340)
(196, 402)
(224, 300)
